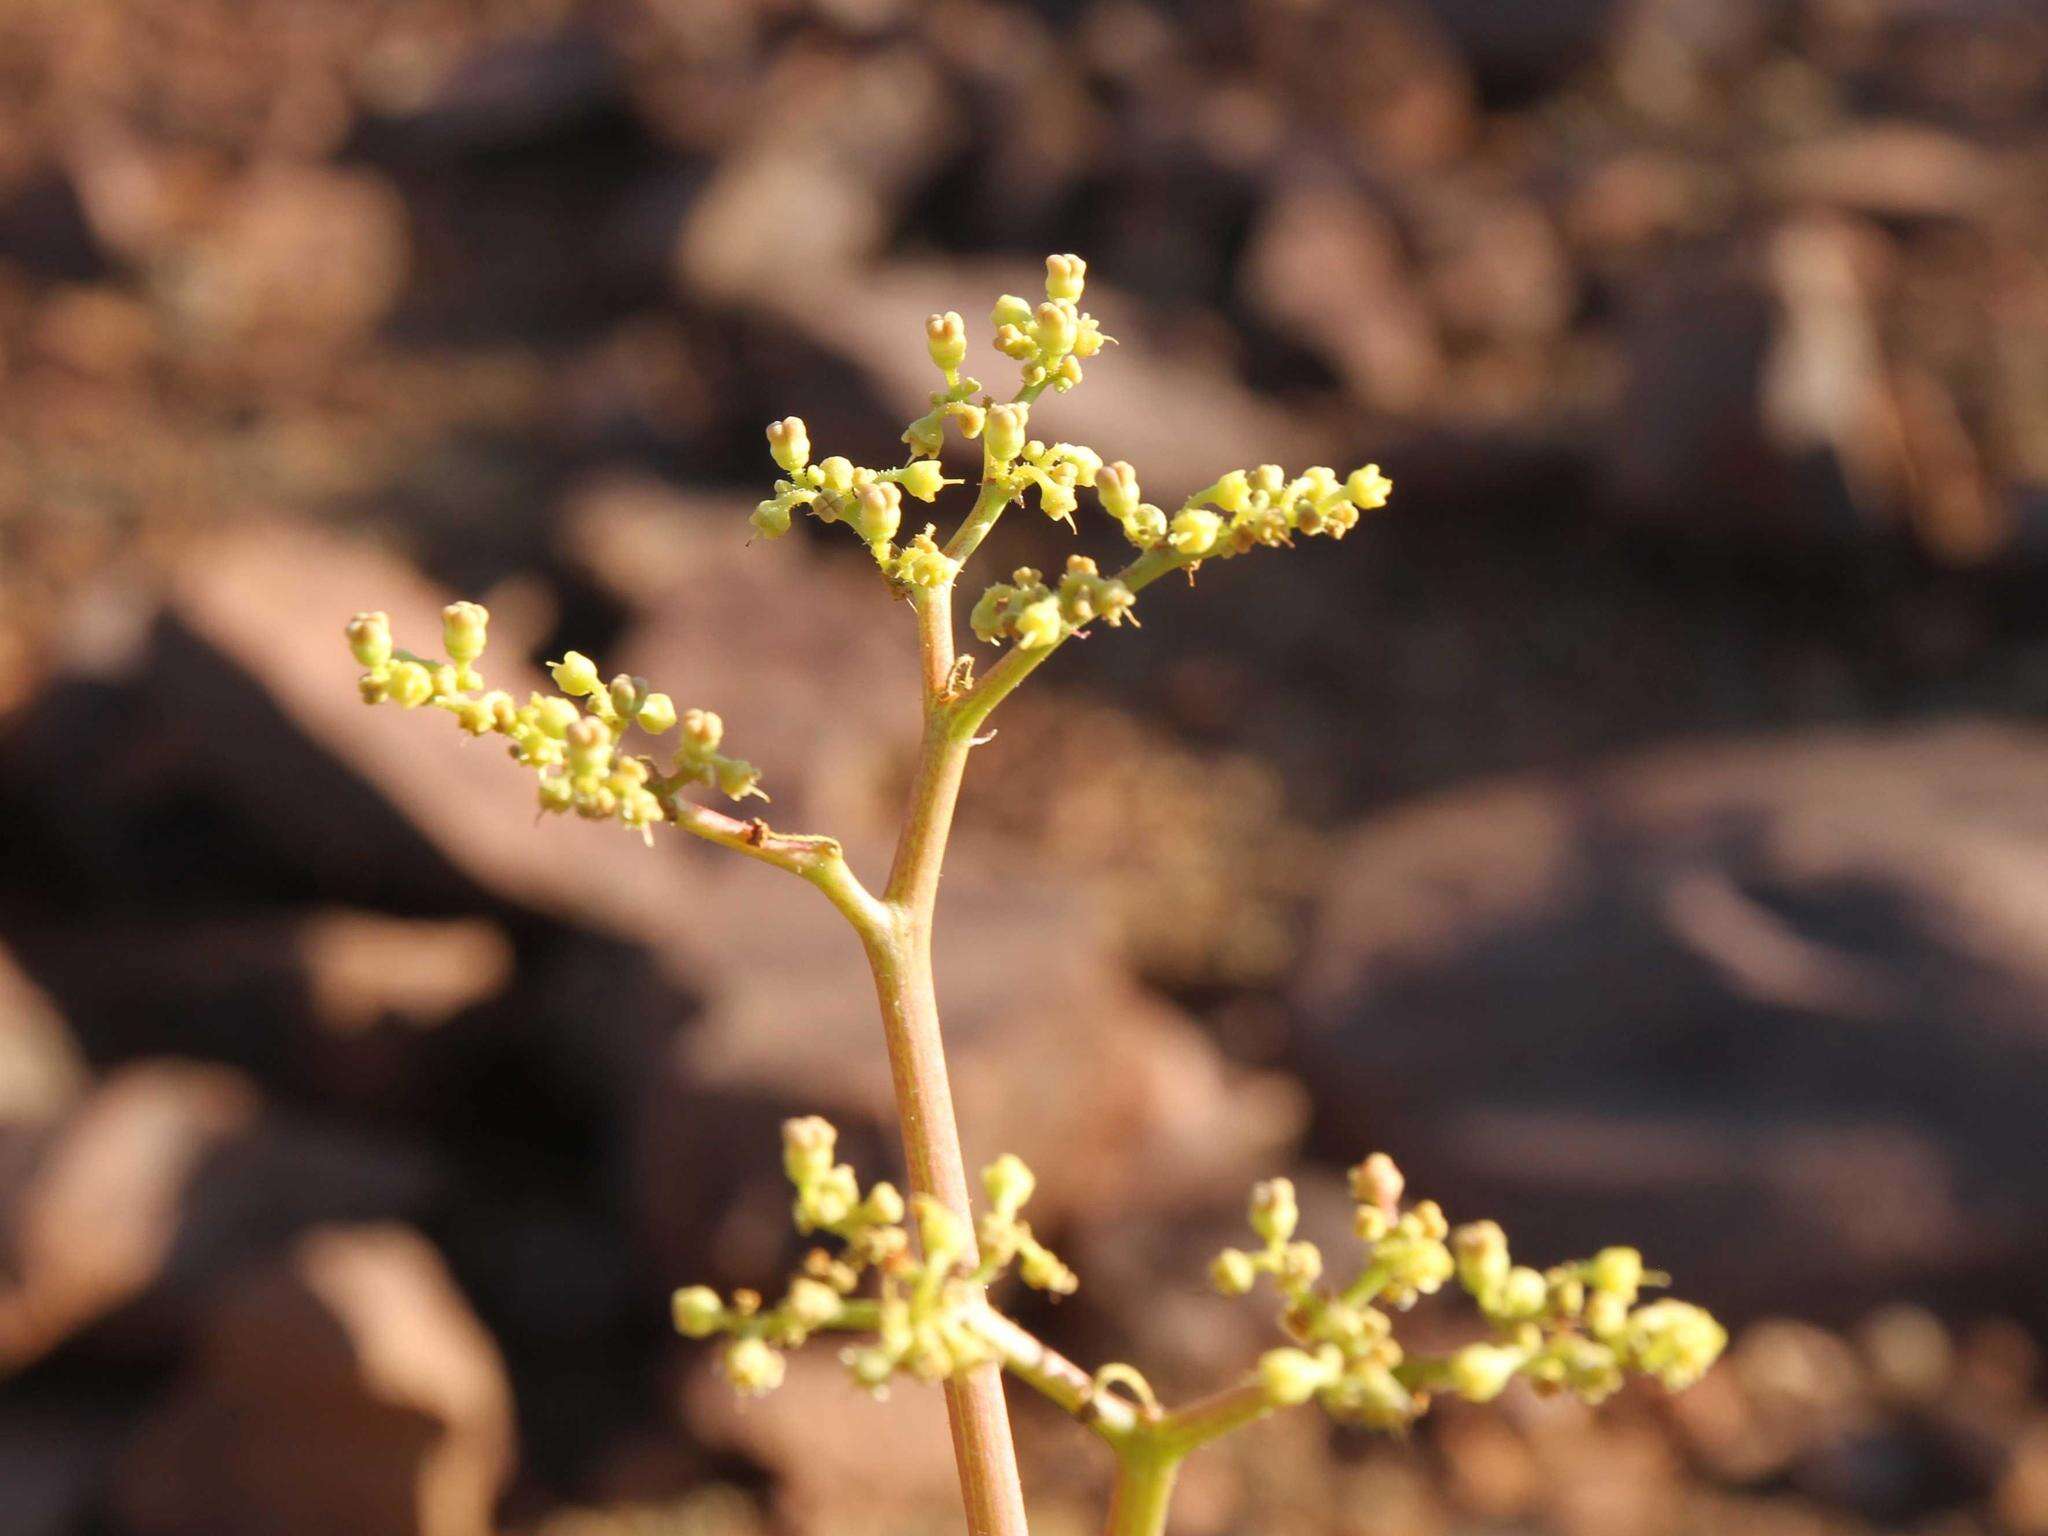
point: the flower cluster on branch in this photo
(575, 748)
(920, 1314)
(1578, 1327)
(1575, 1327)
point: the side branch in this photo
(819, 860)
(1057, 1378)
(1019, 662)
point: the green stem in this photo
(1145, 1476)
(897, 935)
(988, 506)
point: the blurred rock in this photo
(41, 1070)
(55, 1454)
(850, 137)
(165, 1178)
(345, 1391)
(1893, 170)
(1516, 984)
(1327, 268)
(341, 1005)
(842, 1460)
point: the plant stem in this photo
(898, 941)
(1145, 1475)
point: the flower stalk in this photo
(910, 1280)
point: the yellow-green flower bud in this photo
(884, 1204)
(1567, 1293)
(1194, 531)
(1268, 479)
(1483, 1263)
(1233, 1273)
(1146, 527)
(1301, 1265)
(753, 1368)
(1009, 1182)
(1065, 276)
(474, 716)
(1041, 1269)
(789, 440)
(812, 1304)
(924, 564)
(410, 684)
(923, 479)
(1067, 375)
(1002, 437)
(697, 1311)
(1606, 1314)
(1367, 489)
(557, 794)
(627, 695)
(1116, 485)
(576, 674)
(554, 716)
(656, 714)
(945, 337)
(369, 639)
(1290, 1377)
(1274, 1213)
(1616, 1272)
(1480, 1372)
(1378, 1182)
(972, 418)
(808, 1143)
(703, 730)
(590, 748)
(1052, 328)
(878, 511)
(1674, 1341)
(1010, 310)
(1233, 493)
(835, 475)
(770, 518)
(1523, 1294)
(927, 435)
(504, 713)
(1038, 624)
(463, 631)
(1371, 1394)
(871, 1366)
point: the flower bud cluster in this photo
(869, 501)
(1251, 509)
(574, 747)
(919, 1316)
(1573, 1328)
(1031, 614)
(1050, 339)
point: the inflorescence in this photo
(1579, 1327)
(921, 1318)
(576, 748)
(1573, 1328)
(1244, 510)
(576, 739)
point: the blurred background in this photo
(1640, 828)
